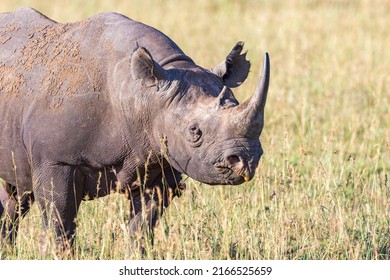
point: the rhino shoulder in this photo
(111, 18)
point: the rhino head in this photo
(208, 135)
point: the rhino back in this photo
(52, 58)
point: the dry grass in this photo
(322, 189)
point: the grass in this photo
(322, 189)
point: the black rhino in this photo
(110, 104)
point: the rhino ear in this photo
(144, 68)
(234, 70)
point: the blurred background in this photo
(322, 189)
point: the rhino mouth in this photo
(235, 169)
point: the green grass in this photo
(322, 188)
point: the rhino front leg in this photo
(148, 206)
(13, 206)
(143, 214)
(56, 191)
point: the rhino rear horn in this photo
(143, 67)
(234, 70)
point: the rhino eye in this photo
(194, 133)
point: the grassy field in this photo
(322, 189)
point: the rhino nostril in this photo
(239, 166)
(233, 160)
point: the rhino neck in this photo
(141, 111)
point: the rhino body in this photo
(110, 104)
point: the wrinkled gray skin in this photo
(110, 104)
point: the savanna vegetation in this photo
(322, 189)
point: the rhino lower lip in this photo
(243, 172)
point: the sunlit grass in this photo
(322, 189)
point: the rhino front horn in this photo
(260, 97)
(249, 116)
